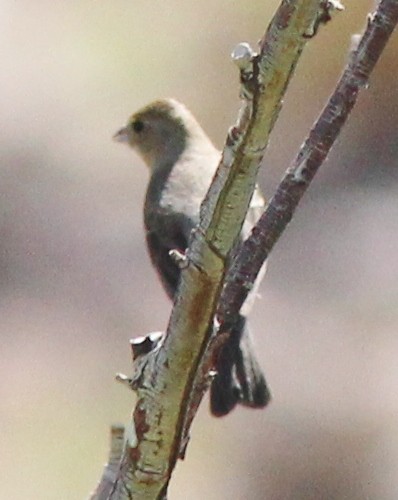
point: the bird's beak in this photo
(121, 135)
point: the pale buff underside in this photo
(187, 186)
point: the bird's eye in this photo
(138, 126)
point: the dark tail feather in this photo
(239, 377)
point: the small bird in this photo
(182, 162)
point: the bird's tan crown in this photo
(163, 109)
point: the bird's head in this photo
(160, 132)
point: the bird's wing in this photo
(171, 231)
(167, 232)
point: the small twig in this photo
(109, 475)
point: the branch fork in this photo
(174, 370)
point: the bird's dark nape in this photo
(239, 378)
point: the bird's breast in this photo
(187, 185)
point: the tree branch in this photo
(279, 212)
(169, 388)
(171, 378)
(111, 468)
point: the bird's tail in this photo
(239, 378)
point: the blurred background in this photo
(76, 282)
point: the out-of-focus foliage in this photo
(76, 283)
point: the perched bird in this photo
(182, 162)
